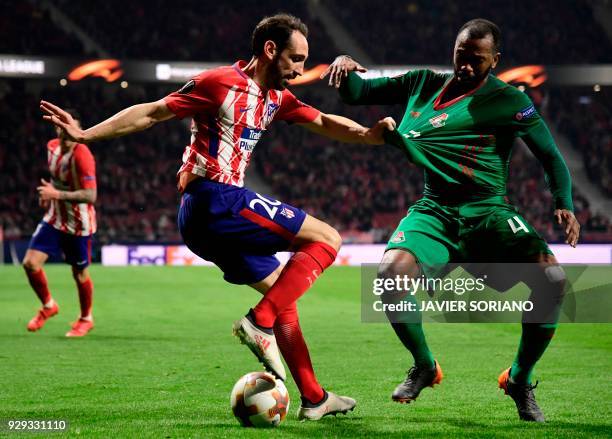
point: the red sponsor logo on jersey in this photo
(415, 114)
(439, 121)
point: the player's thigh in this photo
(508, 250)
(45, 241)
(505, 236)
(247, 269)
(428, 239)
(314, 230)
(77, 250)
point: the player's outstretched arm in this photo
(130, 120)
(355, 90)
(47, 192)
(346, 130)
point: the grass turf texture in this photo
(161, 363)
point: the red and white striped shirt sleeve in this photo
(85, 166)
(196, 96)
(295, 111)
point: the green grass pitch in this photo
(161, 363)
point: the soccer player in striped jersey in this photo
(67, 227)
(234, 227)
(460, 128)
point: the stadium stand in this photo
(28, 30)
(586, 118)
(539, 32)
(203, 30)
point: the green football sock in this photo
(413, 338)
(409, 329)
(534, 341)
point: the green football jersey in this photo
(464, 144)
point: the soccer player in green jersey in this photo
(460, 127)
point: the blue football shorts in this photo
(237, 229)
(75, 249)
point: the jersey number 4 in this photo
(520, 225)
(270, 206)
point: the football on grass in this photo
(259, 400)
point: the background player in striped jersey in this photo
(67, 227)
(238, 229)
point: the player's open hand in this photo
(46, 191)
(340, 68)
(572, 228)
(375, 135)
(63, 120)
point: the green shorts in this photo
(488, 230)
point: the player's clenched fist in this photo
(46, 191)
(340, 68)
(376, 133)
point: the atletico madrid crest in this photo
(287, 213)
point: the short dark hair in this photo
(277, 28)
(480, 28)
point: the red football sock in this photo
(298, 275)
(85, 296)
(295, 352)
(38, 281)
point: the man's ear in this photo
(496, 59)
(270, 49)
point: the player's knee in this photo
(80, 276)
(556, 279)
(331, 237)
(30, 265)
(398, 263)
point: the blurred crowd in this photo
(362, 191)
(199, 30)
(29, 30)
(424, 31)
(586, 118)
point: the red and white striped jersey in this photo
(230, 113)
(71, 171)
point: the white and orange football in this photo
(259, 400)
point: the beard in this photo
(474, 80)
(277, 80)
